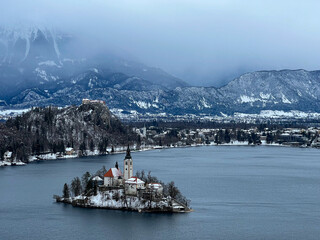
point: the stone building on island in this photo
(115, 179)
(133, 185)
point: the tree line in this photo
(51, 129)
(86, 186)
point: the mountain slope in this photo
(38, 69)
(276, 90)
(32, 57)
(250, 93)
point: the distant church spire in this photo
(128, 155)
(127, 165)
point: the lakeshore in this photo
(235, 191)
(132, 204)
(122, 149)
(92, 130)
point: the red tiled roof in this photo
(113, 172)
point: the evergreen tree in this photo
(139, 140)
(101, 148)
(269, 138)
(91, 146)
(85, 180)
(2, 151)
(95, 189)
(89, 186)
(62, 147)
(216, 139)
(66, 191)
(82, 147)
(227, 137)
(76, 186)
(239, 137)
(173, 191)
(255, 138)
(221, 136)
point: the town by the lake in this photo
(137, 119)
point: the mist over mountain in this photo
(41, 67)
(34, 57)
(206, 43)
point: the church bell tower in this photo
(127, 165)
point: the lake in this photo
(237, 192)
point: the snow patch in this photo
(95, 70)
(144, 105)
(265, 96)
(247, 99)
(204, 103)
(285, 100)
(278, 114)
(49, 63)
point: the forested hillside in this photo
(86, 127)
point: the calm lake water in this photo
(237, 192)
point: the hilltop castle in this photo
(88, 101)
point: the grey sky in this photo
(203, 42)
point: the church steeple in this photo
(128, 155)
(127, 165)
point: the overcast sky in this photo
(203, 42)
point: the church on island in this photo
(115, 179)
(123, 191)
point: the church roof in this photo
(113, 172)
(134, 180)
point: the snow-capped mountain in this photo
(278, 90)
(252, 92)
(34, 57)
(37, 69)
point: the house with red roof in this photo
(113, 177)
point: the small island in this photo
(113, 189)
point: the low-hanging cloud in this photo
(203, 42)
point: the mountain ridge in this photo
(250, 93)
(44, 74)
(40, 55)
